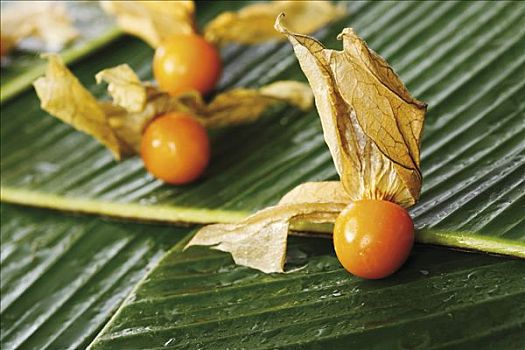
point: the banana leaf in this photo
(63, 276)
(95, 28)
(464, 58)
(199, 299)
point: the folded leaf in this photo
(259, 241)
(119, 124)
(253, 24)
(153, 21)
(46, 20)
(371, 123)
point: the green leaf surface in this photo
(439, 299)
(464, 58)
(62, 277)
(95, 28)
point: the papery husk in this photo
(317, 192)
(372, 126)
(125, 87)
(45, 20)
(234, 107)
(153, 21)
(62, 95)
(371, 123)
(119, 124)
(253, 24)
(239, 106)
(259, 241)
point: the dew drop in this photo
(169, 342)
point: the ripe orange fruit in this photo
(373, 238)
(175, 148)
(186, 62)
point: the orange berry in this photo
(175, 148)
(186, 62)
(373, 238)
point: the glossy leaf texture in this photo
(465, 59)
(440, 299)
(63, 276)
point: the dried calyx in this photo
(154, 21)
(372, 126)
(46, 20)
(253, 24)
(119, 124)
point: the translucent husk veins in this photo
(372, 126)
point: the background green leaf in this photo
(62, 277)
(464, 58)
(439, 299)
